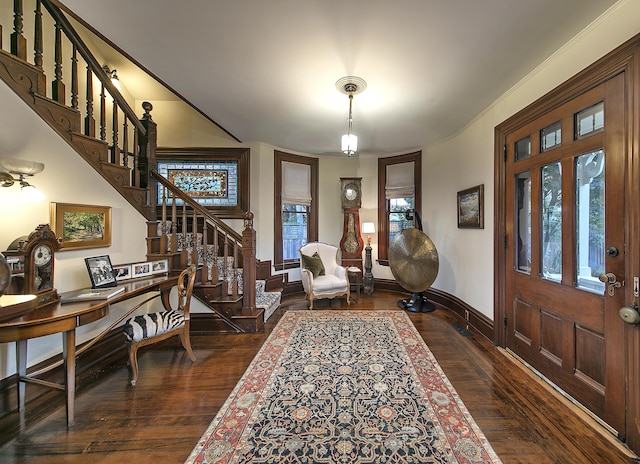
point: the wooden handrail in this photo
(91, 61)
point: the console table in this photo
(64, 318)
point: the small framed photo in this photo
(159, 267)
(141, 269)
(122, 272)
(101, 272)
(471, 208)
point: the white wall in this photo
(466, 160)
(65, 179)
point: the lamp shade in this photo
(349, 144)
(30, 194)
(368, 228)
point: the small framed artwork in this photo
(159, 267)
(471, 208)
(141, 269)
(81, 226)
(101, 272)
(122, 272)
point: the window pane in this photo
(294, 229)
(397, 220)
(523, 226)
(590, 220)
(550, 136)
(551, 211)
(590, 120)
(523, 148)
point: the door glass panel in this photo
(590, 121)
(523, 148)
(551, 136)
(590, 220)
(523, 224)
(551, 221)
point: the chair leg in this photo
(133, 360)
(186, 342)
(310, 302)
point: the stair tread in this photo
(226, 299)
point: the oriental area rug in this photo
(343, 387)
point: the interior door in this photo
(565, 234)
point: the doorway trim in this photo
(623, 60)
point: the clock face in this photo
(351, 192)
(42, 255)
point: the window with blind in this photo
(399, 189)
(296, 221)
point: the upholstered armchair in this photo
(321, 274)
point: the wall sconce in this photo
(112, 73)
(21, 168)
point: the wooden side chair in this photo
(150, 328)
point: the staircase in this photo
(228, 269)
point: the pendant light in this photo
(350, 86)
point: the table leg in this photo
(21, 366)
(69, 357)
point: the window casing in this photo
(296, 210)
(394, 199)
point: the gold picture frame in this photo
(81, 226)
(471, 208)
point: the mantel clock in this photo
(351, 243)
(31, 259)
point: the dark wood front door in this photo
(565, 234)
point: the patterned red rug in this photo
(343, 387)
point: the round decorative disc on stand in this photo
(413, 260)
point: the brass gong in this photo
(414, 263)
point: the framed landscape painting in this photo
(471, 208)
(81, 226)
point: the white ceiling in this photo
(265, 70)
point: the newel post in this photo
(248, 264)
(147, 154)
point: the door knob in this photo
(612, 281)
(630, 314)
(608, 278)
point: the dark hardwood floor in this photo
(162, 417)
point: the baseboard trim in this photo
(443, 300)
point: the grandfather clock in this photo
(351, 243)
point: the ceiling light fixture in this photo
(21, 168)
(350, 86)
(113, 75)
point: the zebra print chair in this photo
(150, 328)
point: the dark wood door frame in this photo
(623, 60)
